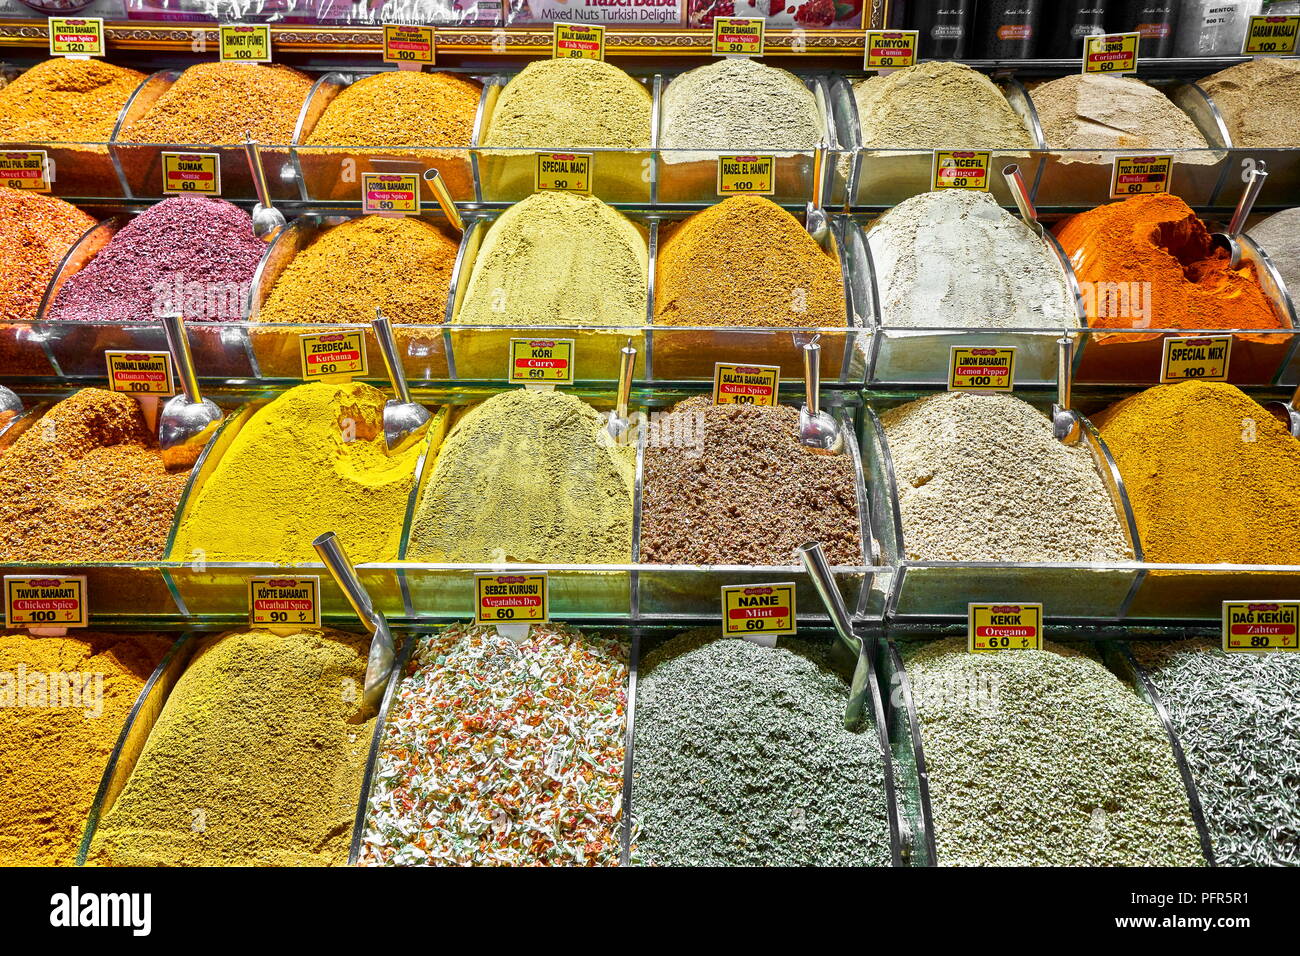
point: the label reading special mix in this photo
(408, 43)
(284, 602)
(987, 369)
(570, 172)
(891, 49)
(578, 41)
(1204, 358)
(1140, 175)
(245, 42)
(764, 609)
(960, 169)
(1004, 627)
(747, 175)
(33, 600)
(1260, 626)
(390, 194)
(333, 355)
(1111, 53)
(76, 36)
(191, 173)
(541, 362)
(511, 598)
(139, 373)
(28, 169)
(738, 36)
(745, 384)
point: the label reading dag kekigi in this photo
(1261, 626)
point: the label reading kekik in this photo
(576, 41)
(390, 194)
(541, 362)
(738, 36)
(570, 172)
(1140, 175)
(991, 369)
(748, 175)
(1004, 627)
(745, 384)
(284, 602)
(963, 169)
(891, 49)
(408, 43)
(28, 169)
(139, 373)
(1271, 36)
(1259, 626)
(1111, 53)
(191, 173)
(37, 601)
(245, 42)
(331, 355)
(765, 609)
(76, 36)
(511, 598)
(1204, 358)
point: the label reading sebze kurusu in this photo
(511, 598)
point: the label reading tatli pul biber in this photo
(27, 169)
(1004, 627)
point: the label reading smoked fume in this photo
(988, 369)
(577, 41)
(139, 373)
(390, 194)
(1261, 626)
(1004, 627)
(333, 355)
(1140, 175)
(191, 173)
(408, 43)
(245, 42)
(1271, 36)
(763, 610)
(745, 384)
(738, 36)
(1204, 358)
(33, 600)
(511, 598)
(570, 172)
(284, 602)
(960, 169)
(541, 362)
(1111, 53)
(746, 175)
(891, 49)
(27, 169)
(76, 36)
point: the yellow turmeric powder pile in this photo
(256, 758)
(63, 701)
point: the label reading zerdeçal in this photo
(1004, 627)
(333, 355)
(34, 600)
(1261, 626)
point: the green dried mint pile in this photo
(1238, 719)
(1045, 758)
(741, 759)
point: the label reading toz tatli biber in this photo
(333, 356)
(1271, 36)
(407, 43)
(890, 49)
(191, 173)
(139, 373)
(76, 36)
(541, 362)
(511, 598)
(960, 169)
(988, 369)
(574, 41)
(570, 172)
(763, 610)
(746, 175)
(1004, 627)
(1140, 175)
(390, 194)
(1111, 53)
(1204, 358)
(245, 42)
(33, 600)
(745, 384)
(1261, 626)
(27, 169)
(284, 602)
(738, 36)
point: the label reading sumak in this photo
(191, 173)
(747, 175)
(738, 36)
(25, 170)
(391, 194)
(139, 373)
(1204, 358)
(1004, 627)
(37, 601)
(1271, 36)
(1111, 53)
(745, 384)
(1140, 175)
(891, 49)
(758, 609)
(575, 41)
(541, 362)
(284, 602)
(76, 36)
(511, 598)
(570, 172)
(991, 369)
(333, 355)
(952, 169)
(245, 42)
(1261, 626)
(408, 43)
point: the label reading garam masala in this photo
(33, 600)
(76, 36)
(541, 362)
(1111, 53)
(765, 610)
(990, 369)
(27, 169)
(333, 356)
(512, 598)
(745, 384)
(746, 175)
(569, 172)
(1261, 626)
(960, 169)
(738, 36)
(891, 49)
(577, 41)
(408, 43)
(284, 602)
(245, 42)
(139, 373)
(1140, 175)
(1204, 358)
(1271, 36)
(191, 173)
(1004, 627)
(390, 194)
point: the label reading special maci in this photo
(284, 602)
(745, 384)
(1140, 175)
(34, 600)
(331, 355)
(1004, 627)
(1111, 53)
(512, 598)
(570, 172)
(139, 373)
(746, 175)
(891, 49)
(1271, 36)
(738, 36)
(390, 194)
(577, 41)
(982, 369)
(191, 173)
(541, 362)
(76, 36)
(408, 43)
(26, 169)
(960, 169)
(1261, 626)
(766, 609)
(245, 42)
(1204, 358)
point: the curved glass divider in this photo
(24, 351)
(12, 428)
(903, 735)
(1178, 593)
(899, 850)
(116, 590)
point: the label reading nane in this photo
(139, 373)
(191, 173)
(960, 169)
(1260, 626)
(767, 609)
(1004, 627)
(28, 169)
(577, 41)
(1271, 36)
(891, 49)
(76, 36)
(570, 172)
(1140, 175)
(1204, 358)
(33, 600)
(408, 43)
(749, 175)
(245, 42)
(284, 602)
(1111, 53)
(390, 194)
(541, 362)
(988, 369)
(328, 355)
(738, 36)
(511, 598)
(745, 384)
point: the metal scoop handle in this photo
(1065, 420)
(812, 376)
(379, 663)
(1247, 201)
(1020, 193)
(388, 349)
(259, 173)
(178, 343)
(448, 205)
(626, 368)
(819, 572)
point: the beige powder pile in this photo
(1260, 102)
(571, 103)
(1094, 111)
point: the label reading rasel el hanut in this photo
(745, 384)
(1271, 36)
(333, 355)
(891, 49)
(541, 362)
(1259, 626)
(284, 602)
(748, 175)
(1004, 627)
(139, 373)
(191, 173)
(767, 609)
(27, 169)
(76, 36)
(245, 42)
(1111, 53)
(986, 369)
(1140, 175)
(960, 169)
(738, 36)
(1204, 358)
(392, 194)
(408, 43)
(33, 600)
(576, 41)
(570, 172)
(512, 598)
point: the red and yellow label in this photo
(245, 42)
(511, 598)
(405, 43)
(987, 369)
(1204, 358)
(570, 172)
(390, 193)
(1004, 627)
(738, 36)
(140, 373)
(746, 175)
(28, 169)
(1271, 36)
(192, 173)
(745, 384)
(76, 36)
(578, 41)
(961, 169)
(891, 49)
(541, 362)
(33, 600)
(1140, 175)
(333, 355)
(1258, 626)
(758, 609)
(1111, 53)
(284, 602)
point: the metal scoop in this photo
(267, 220)
(443, 195)
(188, 420)
(818, 432)
(380, 662)
(10, 403)
(819, 572)
(405, 421)
(620, 422)
(818, 224)
(1066, 426)
(1288, 413)
(1020, 193)
(1228, 240)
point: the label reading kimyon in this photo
(1111, 53)
(331, 355)
(284, 602)
(390, 193)
(140, 373)
(990, 369)
(750, 175)
(541, 362)
(738, 36)
(76, 36)
(405, 43)
(1261, 626)
(763, 609)
(28, 169)
(960, 170)
(192, 173)
(1271, 36)
(570, 172)
(1201, 357)
(511, 598)
(245, 42)
(33, 600)
(1004, 627)
(1140, 175)
(891, 49)
(575, 41)
(745, 384)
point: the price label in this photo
(570, 172)
(1140, 175)
(390, 194)
(28, 169)
(1271, 36)
(32, 600)
(738, 36)
(1261, 626)
(758, 609)
(245, 42)
(747, 175)
(76, 36)
(408, 44)
(511, 598)
(140, 373)
(541, 362)
(333, 355)
(1004, 627)
(745, 384)
(1204, 358)
(991, 369)
(891, 49)
(960, 169)
(578, 41)
(284, 602)
(192, 173)
(1111, 53)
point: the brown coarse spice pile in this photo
(87, 483)
(400, 108)
(214, 103)
(36, 232)
(1259, 101)
(66, 100)
(745, 491)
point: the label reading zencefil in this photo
(280, 602)
(570, 172)
(578, 41)
(140, 373)
(76, 36)
(25, 170)
(1140, 175)
(982, 369)
(390, 193)
(1111, 53)
(749, 175)
(541, 362)
(745, 384)
(408, 43)
(1004, 627)
(36, 601)
(1204, 358)
(767, 609)
(329, 355)
(192, 173)
(245, 42)
(511, 599)
(1271, 36)
(1260, 626)
(891, 49)
(738, 36)
(960, 170)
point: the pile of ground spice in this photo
(1279, 237)
(746, 261)
(743, 490)
(189, 253)
(502, 753)
(1259, 101)
(36, 232)
(214, 103)
(571, 103)
(63, 702)
(1211, 475)
(87, 483)
(401, 108)
(1098, 111)
(66, 100)
(256, 758)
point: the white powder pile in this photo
(1279, 237)
(980, 478)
